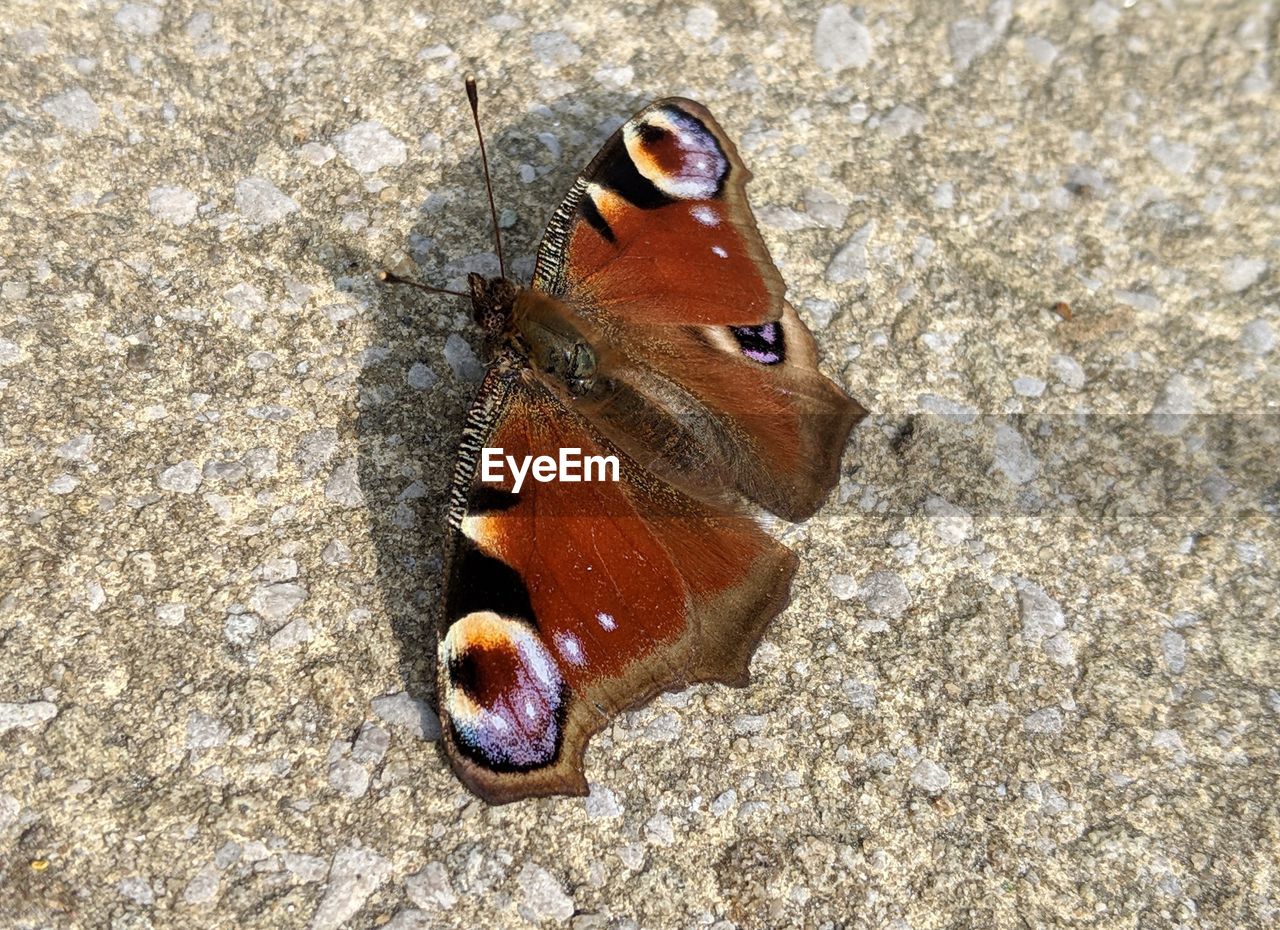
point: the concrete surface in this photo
(1030, 676)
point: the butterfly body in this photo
(655, 333)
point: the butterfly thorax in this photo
(543, 331)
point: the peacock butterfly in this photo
(655, 332)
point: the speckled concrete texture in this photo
(1030, 675)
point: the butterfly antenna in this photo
(484, 160)
(388, 277)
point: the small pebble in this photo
(420, 377)
(369, 147)
(902, 121)
(541, 895)
(1173, 649)
(73, 110)
(183, 478)
(702, 23)
(277, 601)
(1240, 273)
(27, 716)
(970, 39)
(842, 587)
(1258, 337)
(413, 714)
(930, 777)
(461, 359)
(1028, 386)
(1068, 371)
(306, 868)
(840, 41)
(850, 262)
(314, 451)
(78, 449)
(203, 886)
(1044, 722)
(335, 553)
(138, 890)
(554, 49)
(349, 778)
(343, 486)
(171, 614)
(292, 635)
(1103, 17)
(173, 205)
(355, 875)
(261, 203)
(63, 484)
(1178, 158)
(602, 803)
(137, 19)
(430, 888)
(954, 525)
(10, 353)
(1043, 52)
(1173, 407)
(1042, 616)
(1013, 457)
(315, 154)
(885, 594)
(205, 732)
(241, 629)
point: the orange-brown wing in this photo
(656, 246)
(567, 602)
(657, 228)
(788, 422)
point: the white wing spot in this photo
(529, 710)
(606, 620)
(569, 647)
(706, 216)
(719, 251)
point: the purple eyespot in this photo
(763, 343)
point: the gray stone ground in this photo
(1030, 675)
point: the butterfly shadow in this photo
(422, 363)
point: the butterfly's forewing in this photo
(657, 228)
(656, 245)
(568, 602)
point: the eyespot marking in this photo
(503, 692)
(764, 343)
(678, 154)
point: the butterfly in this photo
(655, 331)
